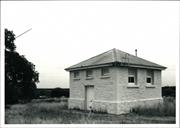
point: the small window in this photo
(132, 76)
(76, 74)
(89, 73)
(105, 71)
(148, 80)
(131, 79)
(149, 77)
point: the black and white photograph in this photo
(90, 63)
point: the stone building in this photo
(114, 81)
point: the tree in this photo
(59, 92)
(20, 74)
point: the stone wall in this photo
(104, 87)
(139, 91)
(113, 94)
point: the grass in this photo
(55, 111)
(167, 108)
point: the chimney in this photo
(135, 52)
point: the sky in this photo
(67, 32)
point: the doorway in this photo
(89, 96)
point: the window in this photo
(131, 79)
(132, 76)
(89, 73)
(149, 77)
(148, 80)
(76, 74)
(105, 71)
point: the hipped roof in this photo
(115, 57)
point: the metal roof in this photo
(115, 57)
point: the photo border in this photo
(2, 105)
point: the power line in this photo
(23, 33)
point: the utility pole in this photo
(23, 33)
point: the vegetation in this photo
(55, 111)
(59, 92)
(20, 74)
(169, 91)
(52, 92)
(43, 92)
(167, 108)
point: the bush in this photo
(169, 91)
(59, 92)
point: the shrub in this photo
(169, 91)
(59, 92)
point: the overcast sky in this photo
(65, 33)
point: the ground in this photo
(55, 111)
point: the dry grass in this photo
(54, 111)
(167, 108)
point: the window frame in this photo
(75, 76)
(104, 73)
(89, 75)
(132, 72)
(129, 80)
(148, 77)
(150, 74)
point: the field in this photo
(55, 111)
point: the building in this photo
(114, 81)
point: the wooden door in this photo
(89, 97)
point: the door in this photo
(89, 97)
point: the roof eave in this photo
(147, 66)
(90, 66)
(112, 64)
